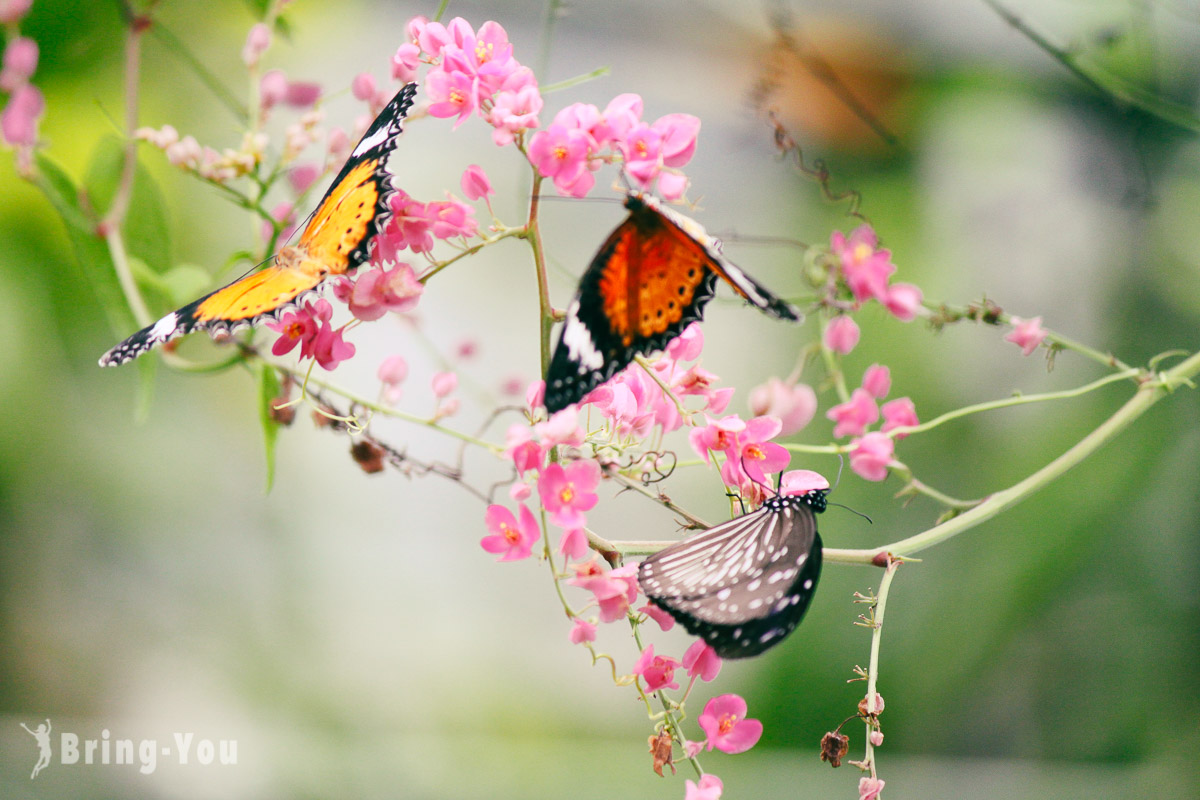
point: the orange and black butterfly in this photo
(336, 241)
(648, 282)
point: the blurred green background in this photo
(348, 631)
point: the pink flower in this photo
(869, 788)
(282, 212)
(899, 413)
(391, 374)
(726, 727)
(257, 41)
(519, 491)
(18, 122)
(302, 176)
(1026, 334)
(514, 541)
(451, 218)
(709, 788)
(801, 482)
(561, 153)
(329, 348)
(702, 660)
(614, 590)
(444, 383)
(405, 62)
(574, 543)
(11, 11)
(377, 291)
(302, 94)
(298, 327)
(866, 269)
(663, 618)
(475, 183)
(658, 671)
(877, 380)
(876, 738)
(794, 405)
(20, 62)
(561, 428)
(622, 115)
(871, 455)
(757, 456)
(853, 416)
(841, 334)
(453, 94)
(641, 149)
(678, 134)
(272, 88)
(514, 111)
(525, 453)
(408, 227)
(568, 492)
(582, 631)
(717, 435)
(363, 87)
(903, 300)
(687, 345)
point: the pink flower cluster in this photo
(309, 327)
(414, 225)
(866, 269)
(581, 138)
(872, 452)
(473, 73)
(19, 120)
(749, 453)
(1026, 334)
(634, 403)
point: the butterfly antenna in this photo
(853, 511)
(751, 477)
(741, 502)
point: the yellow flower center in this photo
(483, 52)
(567, 495)
(560, 153)
(726, 722)
(862, 251)
(511, 534)
(754, 453)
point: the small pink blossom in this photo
(451, 219)
(574, 543)
(509, 538)
(257, 41)
(641, 149)
(701, 660)
(1026, 334)
(869, 788)
(405, 62)
(841, 334)
(302, 176)
(520, 491)
(475, 183)
(514, 111)
(877, 380)
(408, 227)
(757, 456)
(444, 383)
(363, 87)
(865, 268)
(622, 114)
(709, 787)
(899, 413)
(11, 11)
(726, 727)
(614, 590)
(453, 94)
(687, 345)
(658, 671)
(329, 348)
(663, 618)
(853, 416)
(678, 134)
(801, 482)
(391, 374)
(282, 212)
(904, 301)
(272, 88)
(876, 738)
(567, 492)
(525, 453)
(793, 404)
(561, 428)
(717, 436)
(20, 62)
(582, 631)
(302, 94)
(298, 327)
(561, 153)
(19, 120)
(377, 291)
(871, 455)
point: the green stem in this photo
(533, 235)
(873, 665)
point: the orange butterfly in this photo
(648, 282)
(336, 241)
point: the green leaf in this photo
(147, 233)
(269, 391)
(91, 251)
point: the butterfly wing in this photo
(336, 240)
(743, 585)
(647, 283)
(650, 280)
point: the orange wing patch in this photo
(289, 277)
(344, 219)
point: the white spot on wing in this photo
(368, 142)
(578, 340)
(164, 328)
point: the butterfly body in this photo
(745, 584)
(336, 241)
(650, 279)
